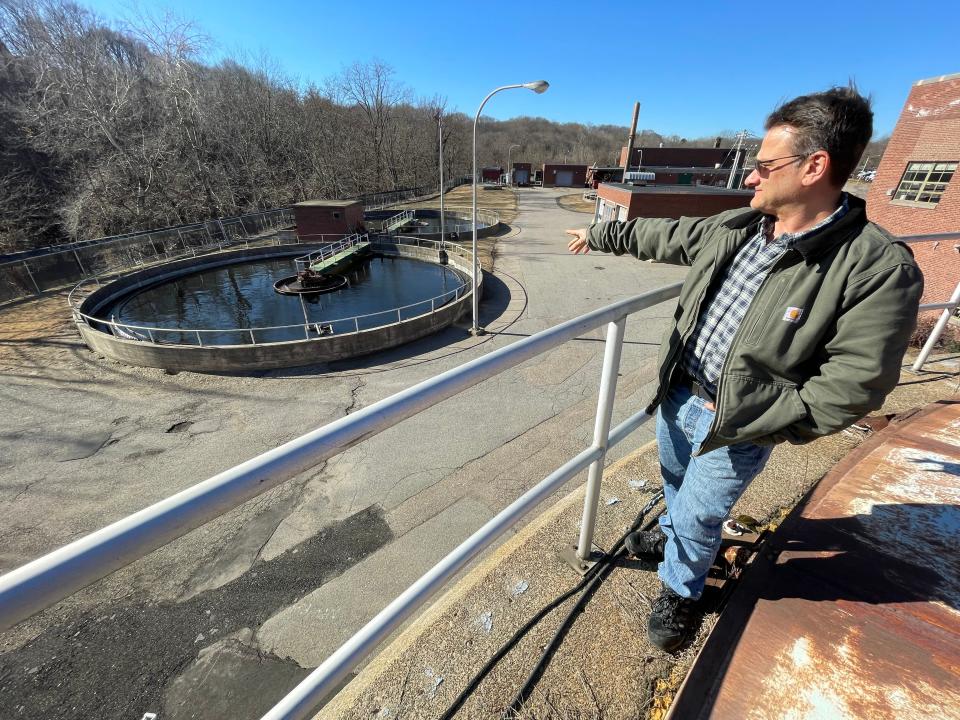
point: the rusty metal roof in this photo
(854, 609)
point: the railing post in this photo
(253, 339)
(82, 270)
(356, 324)
(199, 339)
(937, 330)
(150, 335)
(601, 431)
(32, 279)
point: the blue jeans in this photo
(699, 491)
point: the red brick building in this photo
(327, 217)
(686, 165)
(650, 157)
(564, 175)
(916, 191)
(617, 201)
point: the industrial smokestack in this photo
(630, 139)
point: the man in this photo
(792, 324)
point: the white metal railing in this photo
(324, 253)
(398, 220)
(59, 574)
(460, 220)
(249, 335)
(949, 307)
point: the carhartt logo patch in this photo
(793, 314)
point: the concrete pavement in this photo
(86, 441)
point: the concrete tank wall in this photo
(244, 358)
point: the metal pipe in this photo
(936, 306)
(32, 279)
(318, 684)
(624, 429)
(601, 432)
(937, 330)
(509, 169)
(933, 237)
(442, 226)
(306, 319)
(82, 270)
(52, 577)
(630, 139)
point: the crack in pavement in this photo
(354, 399)
(295, 505)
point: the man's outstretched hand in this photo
(579, 243)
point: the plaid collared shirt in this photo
(731, 295)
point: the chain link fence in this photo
(36, 272)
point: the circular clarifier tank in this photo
(237, 297)
(222, 312)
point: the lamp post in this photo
(538, 86)
(443, 235)
(509, 170)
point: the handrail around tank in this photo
(248, 335)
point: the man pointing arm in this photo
(791, 324)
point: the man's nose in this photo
(753, 179)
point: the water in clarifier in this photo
(236, 297)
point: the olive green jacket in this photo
(788, 377)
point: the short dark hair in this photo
(839, 121)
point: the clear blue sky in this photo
(696, 67)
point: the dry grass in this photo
(503, 200)
(574, 202)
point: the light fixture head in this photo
(538, 86)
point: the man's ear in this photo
(816, 167)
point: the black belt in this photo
(686, 381)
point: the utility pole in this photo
(443, 235)
(736, 158)
(746, 157)
(630, 139)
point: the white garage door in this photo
(564, 178)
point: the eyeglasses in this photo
(764, 166)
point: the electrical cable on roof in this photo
(591, 587)
(589, 583)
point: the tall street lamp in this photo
(538, 86)
(509, 170)
(443, 236)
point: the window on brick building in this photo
(925, 182)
